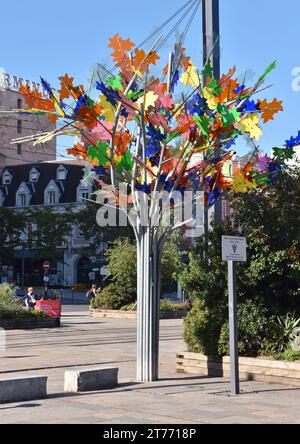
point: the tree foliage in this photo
(271, 277)
(52, 231)
(12, 227)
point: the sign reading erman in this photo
(234, 249)
(13, 83)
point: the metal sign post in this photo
(233, 330)
(46, 267)
(234, 249)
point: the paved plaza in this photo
(83, 341)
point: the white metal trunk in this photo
(148, 305)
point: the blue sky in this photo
(60, 36)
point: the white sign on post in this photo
(234, 249)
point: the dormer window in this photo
(51, 198)
(23, 195)
(52, 193)
(22, 200)
(34, 175)
(6, 178)
(83, 194)
(61, 173)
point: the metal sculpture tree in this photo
(134, 129)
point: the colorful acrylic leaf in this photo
(270, 109)
(250, 125)
(120, 47)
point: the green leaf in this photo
(126, 163)
(228, 115)
(99, 153)
(134, 96)
(283, 154)
(270, 68)
(213, 85)
(203, 122)
(172, 136)
(115, 82)
(208, 70)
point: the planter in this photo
(121, 314)
(255, 369)
(29, 324)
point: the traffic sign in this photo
(46, 266)
(234, 249)
(46, 279)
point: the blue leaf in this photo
(248, 106)
(111, 95)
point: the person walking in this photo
(92, 293)
(30, 300)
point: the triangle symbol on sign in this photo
(234, 247)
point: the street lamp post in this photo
(211, 34)
(211, 50)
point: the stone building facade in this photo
(58, 185)
(20, 126)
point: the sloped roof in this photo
(47, 172)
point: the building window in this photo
(84, 195)
(21, 200)
(52, 198)
(6, 178)
(61, 173)
(34, 175)
(19, 148)
(19, 103)
(19, 128)
(80, 234)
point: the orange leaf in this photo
(78, 151)
(228, 93)
(270, 109)
(121, 142)
(141, 59)
(225, 79)
(120, 47)
(35, 100)
(66, 85)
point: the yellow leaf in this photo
(109, 111)
(190, 77)
(137, 72)
(148, 100)
(241, 184)
(250, 125)
(212, 100)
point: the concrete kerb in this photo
(23, 389)
(87, 380)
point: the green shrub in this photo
(202, 328)
(130, 307)
(167, 305)
(285, 326)
(20, 313)
(7, 293)
(109, 299)
(11, 308)
(253, 324)
(288, 355)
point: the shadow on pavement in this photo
(21, 406)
